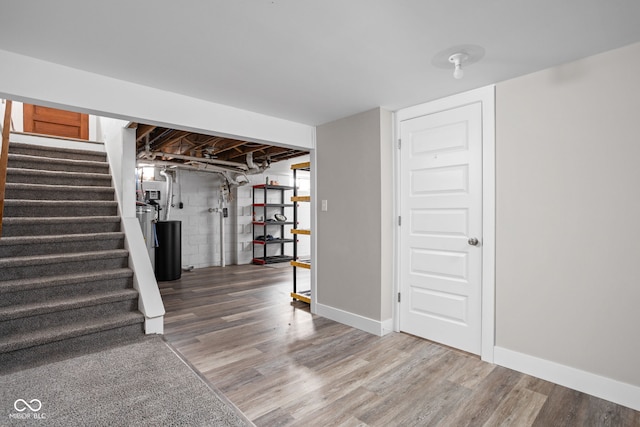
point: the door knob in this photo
(473, 241)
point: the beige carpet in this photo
(140, 384)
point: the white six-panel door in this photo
(441, 209)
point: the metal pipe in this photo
(222, 257)
(154, 154)
(202, 168)
(221, 212)
(168, 176)
(195, 167)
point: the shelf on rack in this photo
(273, 205)
(304, 166)
(300, 231)
(304, 296)
(272, 259)
(301, 199)
(301, 264)
(272, 222)
(268, 242)
(274, 187)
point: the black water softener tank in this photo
(169, 250)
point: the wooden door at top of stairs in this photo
(51, 121)
(441, 198)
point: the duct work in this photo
(234, 173)
(170, 177)
(253, 168)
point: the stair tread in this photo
(57, 258)
(68, 303)
(61, 332)
(24, 220)
(27, 171)
(57, 160)
(16, 202)
(27, 146)
(63, 279)
(29, 240)
(58, 187)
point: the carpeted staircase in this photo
(65, 285)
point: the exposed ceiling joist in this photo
(169, 139)
(143, 130)
(173, 141)
(244, 150)
(230, 146)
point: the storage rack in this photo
(304, 296)
(267, 224)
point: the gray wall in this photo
(354, 237)
(568, 214)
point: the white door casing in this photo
(486, 97)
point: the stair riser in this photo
(66, 317)
(46, 229)
(41, 211)
(52, 165)
(59, 350)
(31, 150)
(7, 251)
(58, 194)
(42, 270)
(51, 179)
(72, 290)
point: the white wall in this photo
(568, 216)
(17, 123)
(40, 82)
(244, 217)
(354, 235)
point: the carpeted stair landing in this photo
(65, 284)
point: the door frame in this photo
(486, 97)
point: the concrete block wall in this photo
(200, 191)
(244, 216)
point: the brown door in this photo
(51, 121)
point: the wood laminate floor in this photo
(283, 366)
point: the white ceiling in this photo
(313, 61)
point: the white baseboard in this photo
(605, 388)
(375, 327)
(387, 326)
